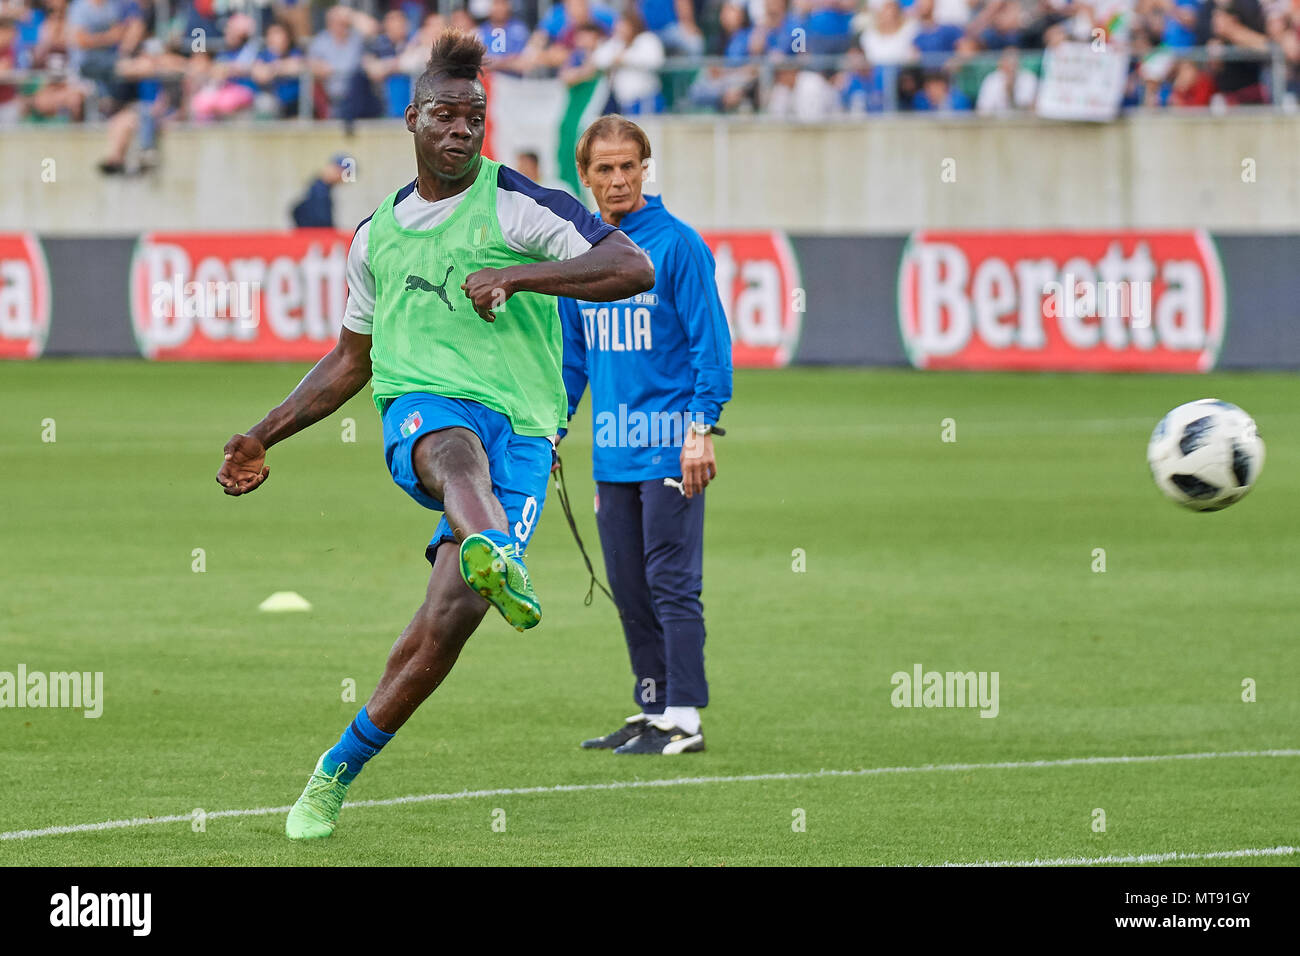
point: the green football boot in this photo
(317, 811)
(497, 574)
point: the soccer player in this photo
(451, 311)
(659, 365)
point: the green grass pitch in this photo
(973, 555)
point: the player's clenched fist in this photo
(487, 289)
(244, 468)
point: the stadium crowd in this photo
(138, 62)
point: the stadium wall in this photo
(937, 299)
(882, 176)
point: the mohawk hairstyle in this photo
(454, 54)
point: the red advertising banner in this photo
(1130, 301)
(280, 296)
(762, 293)
(24, 296)
(274, 296)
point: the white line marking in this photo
(986, 426)
(667, 782)
(1139, 858)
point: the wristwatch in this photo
(699, 428)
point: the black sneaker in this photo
(629, 731)
(655, 739)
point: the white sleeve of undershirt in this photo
(359, 314)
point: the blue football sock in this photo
(500, 538)
(360, 741)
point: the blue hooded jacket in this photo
(655, 361)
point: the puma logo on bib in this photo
(416, 283)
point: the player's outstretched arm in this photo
(331, 382)
(612, 269)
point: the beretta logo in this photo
(272, 296)
(1066, 301)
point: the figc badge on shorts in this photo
(411, 425)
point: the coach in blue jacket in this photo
(659, 365)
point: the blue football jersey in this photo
(655, 361)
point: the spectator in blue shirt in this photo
(28, 22)
(726, 89)
(775, 33)
(553, 42)
(240, 50)
(933, 37)
(736, 29)
(97, 27)
(566, 17)
(141, 18)
(196, 15)
(277, 70)
(829, 26)
(1180, 22)
(1007, 29)
(935, 95)
(383, 65)
(673, 21)
(861, 88)
(505, 36)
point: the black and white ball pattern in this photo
(1205, 455)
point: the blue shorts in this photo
(519, 465)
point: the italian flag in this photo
(545, 117)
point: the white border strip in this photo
(667, 782)
(1140, 858)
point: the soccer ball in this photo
(1205, 455)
